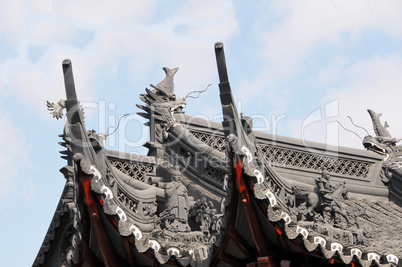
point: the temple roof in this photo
(211, 194)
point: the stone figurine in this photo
(177, 203)
(329, 197)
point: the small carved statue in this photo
(177, 204)
(330, 196)
(324, 186)
(204, 213)
(322, 212)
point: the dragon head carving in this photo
(161, 105)
(375, 144)
(383, 142)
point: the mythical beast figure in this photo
(161, 104)
(384, 144)
(383, 141)
(325, 212)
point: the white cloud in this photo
(117, 35)
(333, 73)
(104, 12)
(49, 32)
(369, 84)
(208, 19)
(376, 85)
(308, 24)
(14, 16)
(28, 190)
(304, 26)
(10, 19)
(144, 46)
(13, 153)
(33, 84)
(162, 44)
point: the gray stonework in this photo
(175, 203)
(386, 146)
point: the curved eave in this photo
(278, 228)
(49, 239)
(212, 127)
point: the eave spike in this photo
(144, 115)
(69, 80)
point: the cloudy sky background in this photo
(295, 66)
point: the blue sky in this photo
(295, 66)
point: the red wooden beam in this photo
(127, 251)
(251, 217)
(281, 239)
(265, 262)
(87, 255)
(231, 222)
(233, 261)
(239, 241)
(89, 258)
(100, 234)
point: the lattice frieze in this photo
(288, 157)
(127, 201)
(215, 173)
(136, 206)
(135, 170)
(216, 142)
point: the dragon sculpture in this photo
(384, 144)
(166, 87)
(321, 212)
(161, 105)
(163, 216)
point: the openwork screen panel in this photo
(216, 142)
(135, 170)
(215, 173)
(287, 157)
(283, 157)
(126, 200)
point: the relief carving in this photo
(184, 222)
(161, 104)
(384, 144)
(323, 211)
(177, 205)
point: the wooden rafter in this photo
(101, 236)
(251, 217)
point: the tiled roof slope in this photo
(386, 226)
